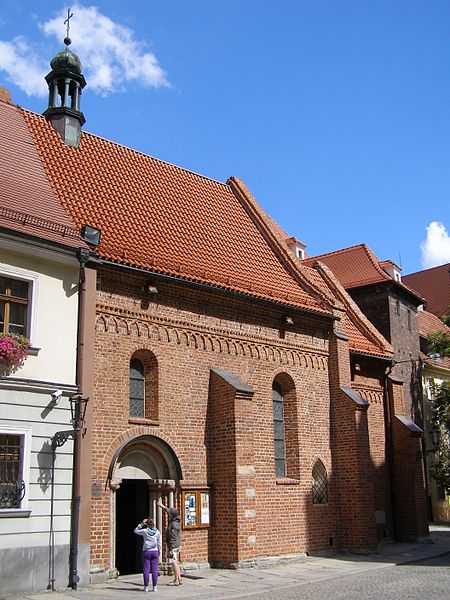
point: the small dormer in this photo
(297, 247)
(392, 270)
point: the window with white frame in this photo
(13, 468)
(17, 300)
(429, 389)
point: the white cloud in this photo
(109, 52)
(436, 248)
(23, 67)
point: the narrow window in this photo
(137, 388)
(278, 429)
(440, 492)
(12, 485)
(13, 305)
(320, 485)
(397, 307)
(409, 320)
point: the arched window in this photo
(320, 484)
(278, 430)
(137, 388)
(285, 427)
(144, 386)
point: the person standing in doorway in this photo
(151, 547)
(173, 539)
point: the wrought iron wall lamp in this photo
(435, 433)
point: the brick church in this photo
(224, 376)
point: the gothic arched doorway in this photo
(143, 471)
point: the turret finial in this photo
(67, 39)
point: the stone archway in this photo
(143, 471)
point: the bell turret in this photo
(65, 83)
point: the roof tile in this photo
(434, 285)
(354, 266)
(157, 216)
(28, 204)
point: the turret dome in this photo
(66, 60)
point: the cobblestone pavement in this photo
(428, 580)
(398, 571)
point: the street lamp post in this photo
(78, 406)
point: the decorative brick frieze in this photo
(373, 395)
(210, 340)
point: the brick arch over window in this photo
(283, 388)
(320, 483)
(144, 389)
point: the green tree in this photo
(441, 420)
(439, 342)
(446, 318)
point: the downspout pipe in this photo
(389, 448)
(83, 257)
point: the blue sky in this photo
(334, 113)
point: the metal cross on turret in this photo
(67, 39)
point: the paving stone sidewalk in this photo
(222, 584)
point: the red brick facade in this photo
(217, 357)
(200, 329)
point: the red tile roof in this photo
(443, 362)
(157, 216)
(357, 266)
(434, 285)
(28, 204)
(429, 322)
(162, 218)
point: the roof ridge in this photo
(375, 261)
(258, 215)
(430, 269)
(339, 251)
(39, 222)
(352, 309)
(134, 151)
(10, 105)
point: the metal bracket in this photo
(61, 437)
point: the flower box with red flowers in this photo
(13, 352)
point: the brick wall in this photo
(394, 314)
(352, 467)
(408, 474)
(223, 437)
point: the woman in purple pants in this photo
(151, 548)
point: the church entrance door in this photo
(144, 472)
(132, 502)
